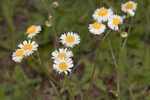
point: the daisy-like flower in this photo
(102, 14)
(62, 54)
(63, 65)
(29, 47)
(18, 55)
(115, 21)
(129, 7)
(97, 28)
(70, 39)
(33, 30)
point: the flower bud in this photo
(55, 4)
(131, 13)
(48, 24)
(124, 34)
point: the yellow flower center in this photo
(103, 12)
(96, 25)
(19, 53)
(116, 21)
(27, 47)
(31, 30)
(63, 66)
(70, 39)
(62, 55)
(129, 6)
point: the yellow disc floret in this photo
(63, 66)
(31, 30)
(129, 6)
(96, 25)
(103, 12)
(19, 53)
(116, 21)
(27, 47)
(62, 55)
(70, 39)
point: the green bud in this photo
(124, 34)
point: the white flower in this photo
(29, 47)
(102, 14)
(62, 54)
(18, 55)
(115, 21)
(63, 65)
(33, 30)
(97, 28)
(129, 7)
(70, 39)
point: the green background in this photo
(28, 81)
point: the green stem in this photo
(131, 93)
(55, 89)
(68, 87)
(39, 58)
(81, 95)
(94, 66)
(117, 68)
(118, 83)
(51, 21)
(44, 70)
(92, 78)
(124, 43)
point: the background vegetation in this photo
(28, 81)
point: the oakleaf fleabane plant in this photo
(33, 30)
(97, 28)
(104, 16)
(101, 16)
(105, 21)
(129, 7)
(28, 46)
(63, 57)
(114, 22)
(70, 39)
(62, 53)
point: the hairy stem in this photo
(51, 21)
(55, 89)
(131, 93)
(68, 87)
(94, 66)
(92, 78)
(44, 70)
(117, 67)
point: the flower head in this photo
(102, 14)
(70, 39)
(18, 55)
(97, 28)
(62, 54)
(63, 65)
(33, 30)
(29, 47)
(115, 21)
(129, 7)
